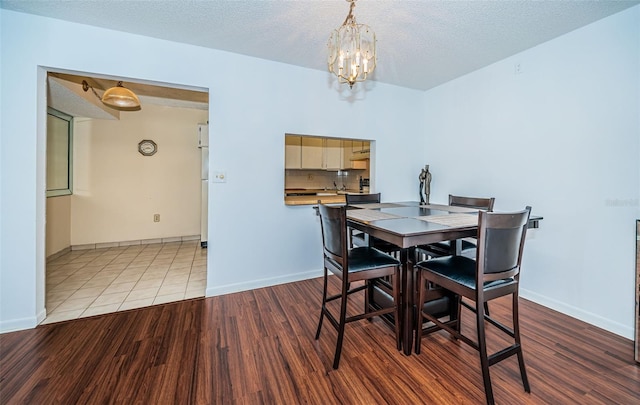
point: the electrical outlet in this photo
(156, 217)
(309, 176)
(517, 69)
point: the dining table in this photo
(410, 224)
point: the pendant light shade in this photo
(121, 98)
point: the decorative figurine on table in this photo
(425, 185)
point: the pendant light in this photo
(352, 50)
(118, 97)
(121, 98)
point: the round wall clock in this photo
(147, 147)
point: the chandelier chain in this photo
(351, 19)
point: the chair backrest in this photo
(501, 239)
(485, 204)
(362, 198)
(333, 222)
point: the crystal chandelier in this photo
(352, 50)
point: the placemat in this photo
(450, 208)
(452, 220)
(376, 205)
(369, 215)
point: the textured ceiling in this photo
(421, 44)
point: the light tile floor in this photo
(84, 283)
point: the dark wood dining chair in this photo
(494, 273)
(362, 198)
(468, 245)
(362, 263)
(382, 285)
(358, 238)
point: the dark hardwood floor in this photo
(258, 347)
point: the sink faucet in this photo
(335, 186)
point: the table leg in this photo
(407, 300)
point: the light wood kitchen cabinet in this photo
(347, 147)
(332, 159)
(312, 152)
(351, 147)
(321, 153)
(316, 153)
(358, 146)
(292, 152)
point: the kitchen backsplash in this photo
(320, 179)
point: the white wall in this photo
(564, 137)
(575, 107)
(117, 190)
(58, 217)
(255, 239)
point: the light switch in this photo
(219, 177)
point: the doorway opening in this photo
(128, 233)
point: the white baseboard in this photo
(59, 253)
(124, 243)
(588, 317)
(265, 282)
(41, 315)
(18, 324)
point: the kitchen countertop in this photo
(313, 199)
(301, 196)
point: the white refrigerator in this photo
(203, 144)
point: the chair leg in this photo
(482, 349)
(486, 308)
(341, 324)
(323, 306)
(420, 304)
(396, 313)
(368, 298)
(458, 309)
(516, 332)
